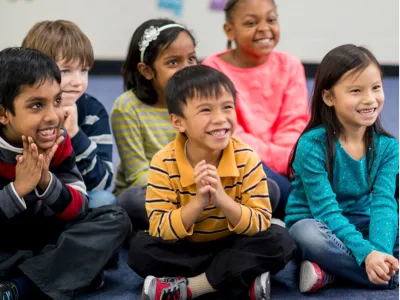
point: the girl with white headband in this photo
(140, 120)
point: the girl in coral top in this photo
(272, 104)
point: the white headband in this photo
(151, 34)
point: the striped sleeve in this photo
(93, 147)
(162, 207)
(126, 130)
(66, 193)
(256, 206)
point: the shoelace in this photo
(7, 295)
(172, 294)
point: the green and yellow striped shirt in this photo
(140, 131)
(172, 185)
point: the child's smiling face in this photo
(38, 113)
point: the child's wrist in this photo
(225, 201)
(19, 189)
(44, 181)
(73, 131)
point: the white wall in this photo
(309, 28)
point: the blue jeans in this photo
(284, 187)
(101, 198)
(318, 244)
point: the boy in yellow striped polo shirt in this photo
(207, 202)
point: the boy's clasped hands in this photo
(211, 192)
(32, 167)
(208, 183)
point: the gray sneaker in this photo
(261, 287)
(166, 288)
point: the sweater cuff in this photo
(16, 195)
(244, 222)
(80, 142)
(177, 224)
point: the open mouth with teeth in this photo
(218, 133)
(367, 112)
(265, 42)
(48, 134)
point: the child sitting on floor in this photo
(207, 202)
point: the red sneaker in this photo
(261, 287)
(312, 277)
(166, 288)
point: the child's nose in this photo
(76, 80)
(219, 118)
(264, 26)
(51, 115)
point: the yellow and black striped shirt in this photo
(171, 185)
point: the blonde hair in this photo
(61, 40)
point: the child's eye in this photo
(228, 107)
(250, 23)
(272, 20)
(64, 71)
(193, 60)
(205, 110)
(377, 87)
(36, 105)
(85, 70)
(173, 62)
(355, 91)
(58, 101)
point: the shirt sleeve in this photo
(383, 212)
(11, 204)
(126, 130)
(256, 207)
(162, 206)
(309, 163)
(66, 193)
(93, 148)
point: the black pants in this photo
(133, 201)
(230, 264)
(61, 258)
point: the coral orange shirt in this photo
(272, 105)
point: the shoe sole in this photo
(308, 277)
(148, 282)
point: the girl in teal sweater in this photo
(342, 211)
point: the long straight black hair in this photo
(333, 66)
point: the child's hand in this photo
(392, 269)
(71, 119)
(202, 185)
(217, 191)
(47, 157)
(29, 168)
(376, 266)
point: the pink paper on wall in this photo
(218, 4)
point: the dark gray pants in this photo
(61, 258)
(133, 201)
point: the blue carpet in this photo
(124, 284)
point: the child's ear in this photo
(145, 70)
(228, 28)
(3, 116)
(327, 97)
(177, 122)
